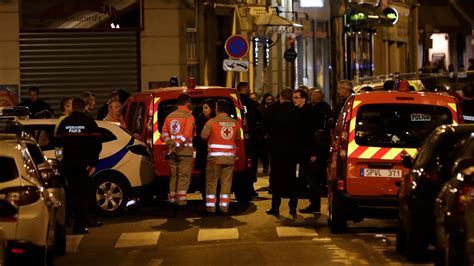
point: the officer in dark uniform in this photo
(467, 104)
(79, 136)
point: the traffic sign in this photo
(236, 65)
(236, 46)
(290, 55)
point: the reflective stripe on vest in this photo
(222, 146)
(468, 118)
(222, 153)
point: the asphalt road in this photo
(159, 235)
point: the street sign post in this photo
(236, 65)
(236, 46)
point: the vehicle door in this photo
(381, 132)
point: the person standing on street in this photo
(207, 111)
(319, 156)
(104, 109)
(267, 101)
(305, 131)
(283, 121)
(255, 130)
(222, 134)
(79, 137)
(89, 99)
(34, 103)
(467, 104)
(344, 90)
(178, 133)
(66, 109)
(115, 113)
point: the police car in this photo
(29, 219)
(125, 165)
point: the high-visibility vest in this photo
(179, 127)
(223, 135)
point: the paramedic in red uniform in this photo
(178, 133)
(222, 134)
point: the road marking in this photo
(218, 234)
(72, 243)
(286, 231)
(138, 239)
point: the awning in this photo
(442, 18)
(275, 20)
(365, 15)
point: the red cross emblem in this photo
(227, 132)
(175, 126)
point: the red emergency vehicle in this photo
(145, 113)
(374, 130)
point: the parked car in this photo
(124, 169)
(420, 186)
(454, 212)
(145, 113)
(372, 131)
(30, 229)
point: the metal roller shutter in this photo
(65, 64)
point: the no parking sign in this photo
(236, 46)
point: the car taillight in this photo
(463, 197)
(20, 196)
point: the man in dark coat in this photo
(79, 137)
(255, 129)
(320, 143)
(283, 121)
(34, 103)
(344, 90)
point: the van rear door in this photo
(379, 134)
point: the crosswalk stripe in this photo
(218, 234)
(138, 239)
(287, 231)
(72, 243)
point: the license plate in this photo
(371, 172)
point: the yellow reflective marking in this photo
(156, 136)
(241, 134)
(392, 153)
(352, 125)
(157, 99)
(453, 106)
(352, 147)
(233, 95)
(412, 152)
(356, 103)
(369, 153)
(237, 110)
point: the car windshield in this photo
(8, 170)
(398, 125)
(167, 107)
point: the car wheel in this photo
(451, 254)
(60, 246)
(415, 244)
(336, 220)
(401, 235)
(110, 194)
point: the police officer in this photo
(79, 137)
(222, 133)
(178, 133)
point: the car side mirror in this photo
(407, 160)
(54, 163)
(50, 178)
